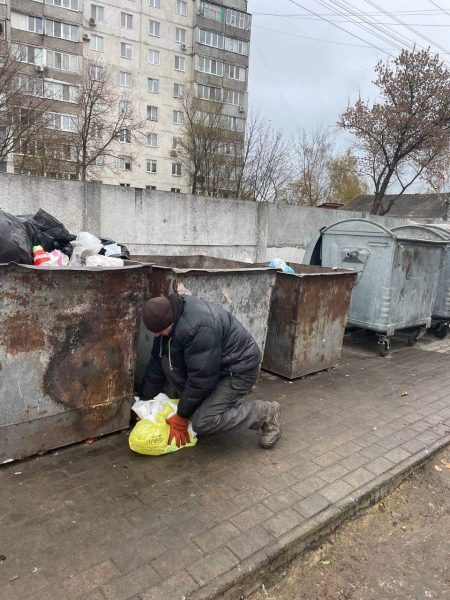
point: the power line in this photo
(441, 9)
(390, 37)
(339, 27)
(429, 40)
(306, 37)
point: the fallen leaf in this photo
(437, 468)
(90, 440)
(403, 394)
(447, 465)
(325, 562)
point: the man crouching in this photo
(211, 361)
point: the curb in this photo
(246, 577)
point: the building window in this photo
(222, 42)
(177, 117)
(60, 91)
(97, 43)
(153, 85)
(154, 28)
(62, 122)
(178, 90)
(125, 107)
(126, 20)
(208, 92)
(124, 163)
(176, 169)
(235, 72)
(180, 35)
(181, 8)
(126, 50)
(97, 72)
(235, 98)
(124, 184)
(97, 12)
(150, 187)
(151, 166)
(62, 61)
(224, 15)
(154, 3)
(125, 136)
(61, 30)
(175, 190)
(99, 161)
(180, 63)
(125, 79)
(152, 140)
(28, 54)
(152, 113)
(210, 66)
(153, 57)
(70, 4)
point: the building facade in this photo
(156, 50)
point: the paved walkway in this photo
(97, 522)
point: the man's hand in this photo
(178, 430)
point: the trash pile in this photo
(43, 241)
(150, 435)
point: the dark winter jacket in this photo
(206, 343)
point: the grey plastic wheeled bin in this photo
(397, 276)
(441, 308)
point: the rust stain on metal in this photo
(307, 320)
(76, 334)
(21, 333)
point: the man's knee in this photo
(203, 423)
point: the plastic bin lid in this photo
(359, 226)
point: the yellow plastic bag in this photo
(150, 434)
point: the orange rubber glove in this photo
(178, 430)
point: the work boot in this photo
(271, 428)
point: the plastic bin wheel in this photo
(384, 347)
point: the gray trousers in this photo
(223, 409)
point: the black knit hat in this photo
(157, 314)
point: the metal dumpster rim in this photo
(66, 269)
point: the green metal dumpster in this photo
(68, 341)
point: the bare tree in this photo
(201, 145)
(48, 153)
(402, 136)
(103, 118)
(313, 153)
(265, 161)
(23, 107)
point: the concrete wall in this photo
(154, 222)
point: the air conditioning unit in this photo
(92, 22)
(242, 109)
(184, 47)
(39, 68)
(86, 37)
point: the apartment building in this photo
(156, 50)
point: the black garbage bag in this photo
(124, 252)
(50, 226)
(16, 245)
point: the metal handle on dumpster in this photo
(355, 259)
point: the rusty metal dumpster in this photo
(243, 289)
(68, 341)
(307, 320)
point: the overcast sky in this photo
(301, 82)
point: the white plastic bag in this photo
(103, 261)
(86, 244)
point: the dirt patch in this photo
(398, 549)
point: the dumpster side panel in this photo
(306, 328)
(415, 280)
(67, 349)
(371, 256)
(245, 294)
(281, 331)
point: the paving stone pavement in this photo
(98, 522)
